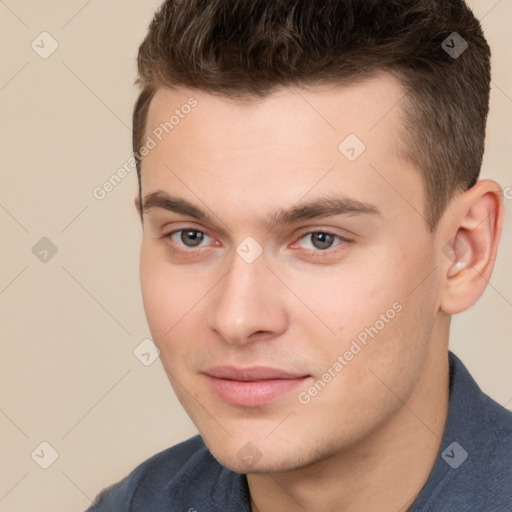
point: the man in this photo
(312, 217)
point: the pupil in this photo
(192, 238)
(322, 240)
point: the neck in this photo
(385, 471)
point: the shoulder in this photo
(485, 423)
(474, 468)
(483, 480)
(152, 482)
(493, 451)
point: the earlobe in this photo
(472, 250)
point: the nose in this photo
(248, 305)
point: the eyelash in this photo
(314, 253)
(330, 251)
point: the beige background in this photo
(69, 325)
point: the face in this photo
(287, 279)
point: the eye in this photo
(320, 240)
(188, 237)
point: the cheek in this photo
(165, 293)
(174, 298)
(156, 296)
(343, 301)
(374, 308)
(371, 373)
(397, 343)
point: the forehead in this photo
(294, 142)
(360, 106)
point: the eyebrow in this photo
(326, 206)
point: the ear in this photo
(473, 230)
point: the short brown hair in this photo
(245, 49)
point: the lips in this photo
(252, 387)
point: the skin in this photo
(369, 439)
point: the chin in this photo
(275, 464)
(243, 456)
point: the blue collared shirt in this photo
(473, 471)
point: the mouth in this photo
(252, 387)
